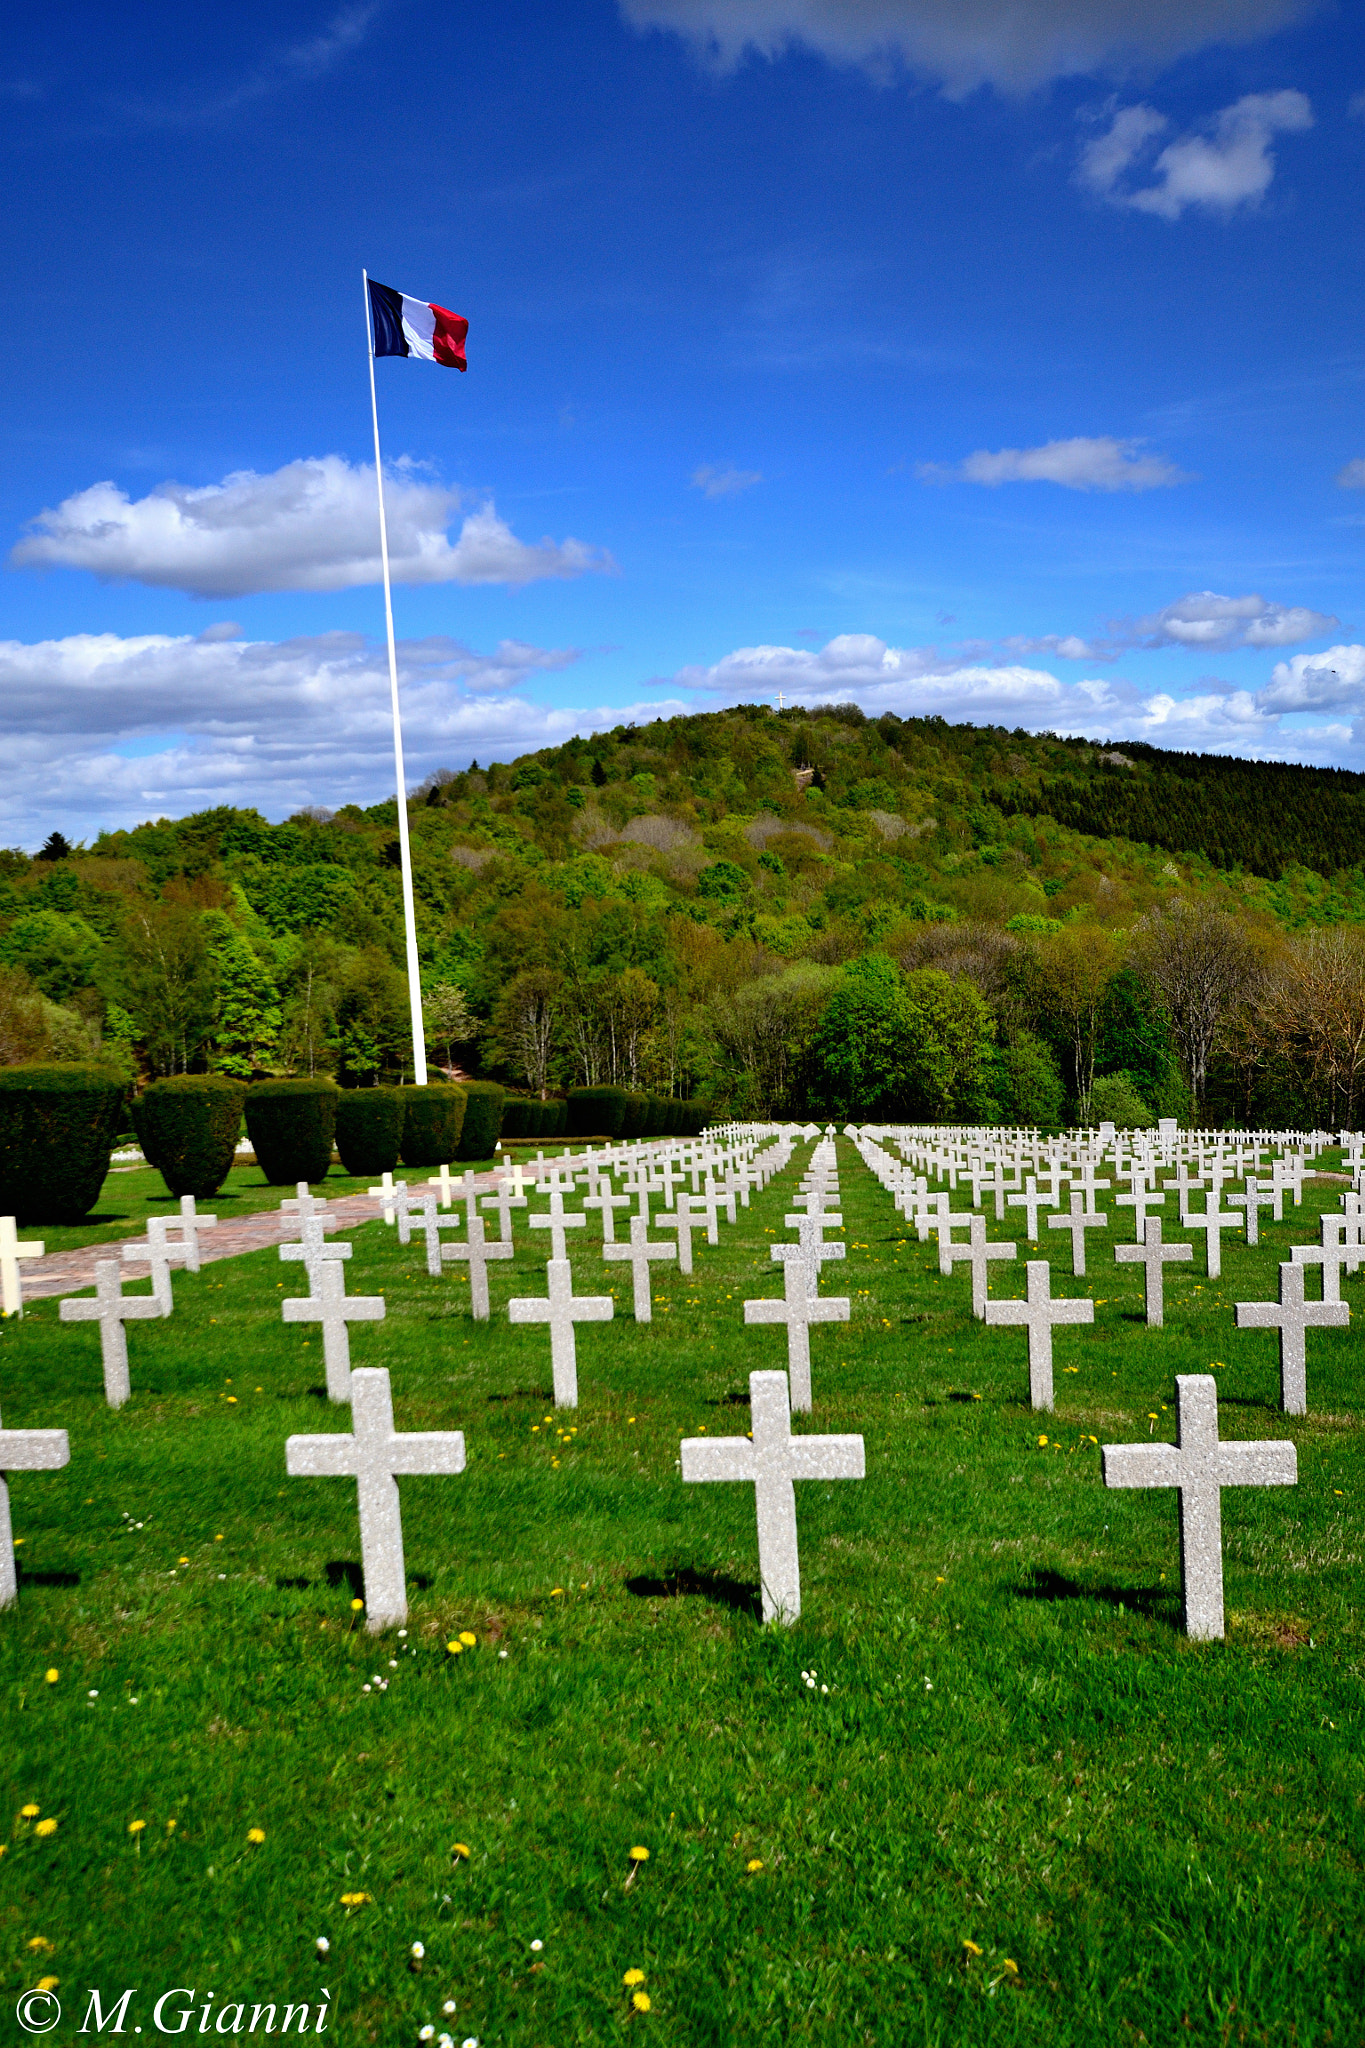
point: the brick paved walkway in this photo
(69, 1272)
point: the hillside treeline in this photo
(782, 912)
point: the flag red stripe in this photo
(447, 341)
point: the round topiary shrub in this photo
(482, 1119)
(188, 1127)
(291, 1125)
(432, 1123)
(142, 1131)
(595, 1112)
(57, 1128)
(370, 1128)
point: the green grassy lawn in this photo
(1026, 1809)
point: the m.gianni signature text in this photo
(175, 2012)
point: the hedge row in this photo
(188, 1126)
(525, 1117)
(607, 1112)
(58, 1126)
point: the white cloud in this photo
(1203, 619)
(967, 43)
(1098, 463)
(1352, 477)
(1318, 682)
(1228, 166)
(725, 483)
(312, 525)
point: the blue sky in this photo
(876, 349)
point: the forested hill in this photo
(649, 876)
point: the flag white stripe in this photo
(419, 326)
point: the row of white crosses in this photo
(1198, 1465)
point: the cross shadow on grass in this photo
(688, 1583)
(1158, 1603)
(526, 1394)
(27, 1578)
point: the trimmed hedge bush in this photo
(291, 1125)
(188, 1127)
(633, 1123)
(595, 1112)
(554, 1119)
(58, 1125)
(515, 1118)
(432, 1124)
(370, 1128)
(482, 1119)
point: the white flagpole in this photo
(419, 1048)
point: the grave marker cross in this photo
(1038, 1313)
(771, 1463)
(189, 1224)
(111, 1308)
(798, 1309)
(23, 1450)
(684, 1222)
(1150, 1253)
(1078, 1221)
(1253, 1201)
(504, 1201)
(1200, 1466)
(1031, 1201)
(1213, 1221)
(376, 1455)
(158, 1253)
(608, 1203)
(638, 1252)
(1332, 1254)
(979, 1254)
(1140, 1201)
(312, 1247)
(330, 1305)
(561, 1309)
(476, 1251)
(11, 1252)
(1293, 1317)
(557, 1222)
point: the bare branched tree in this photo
(525, 1022)
(448, 1020)
(1078, 964)
(1203, 964)
(1316, 1011)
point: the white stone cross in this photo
(1213, 1221)
(707, 1204)
(425, 1210)
(376, 1455)
(11, 1252)
(798, 1309)
(386, 1194)
(771, 1463)
(1253, 1201)
(23, 1450)
(1140, 1201)
(303, 1202)
(1031, 1201)
(979, 1254)
(1293, 1317)
(812, 1247)
(561, 1309)
(312, 1247)
(608, 1203)
(639, 1252)
(504, 1200)
(111, 1308)
(1200, 1466)
(476, 1251)
(684, 1222)
(1087, 1182)
(1038, 1313)
(1078, 1221)
(190, 1223)
(443, 1181)
(1150, 1253)
(557, 1222)
(1184, 1186)
(1332, 1254)
(330, 1305)
(158, 1253)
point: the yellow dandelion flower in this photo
(171, 1825)
(355, 1898)
(30, 1812)
(640, 2000)
(1010, 1965)
(555, 1592)
(754, 1863)
(1041, 1441)
(46, 1827)
(255, 1834)
(40, 1945)
(468, 1638)
(48, 1983)
(639, 1855)
(456, 1649)
(356, 1606)
(633, 1977)
(52, 1674)
(973, 1948)
(460, 1849)
(135, 1827)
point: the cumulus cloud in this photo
(725, 483)
(1204, 619)
(1098, 463)
(312, 525)
(1230, 164)
(963, 44)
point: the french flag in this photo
(410, 327)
